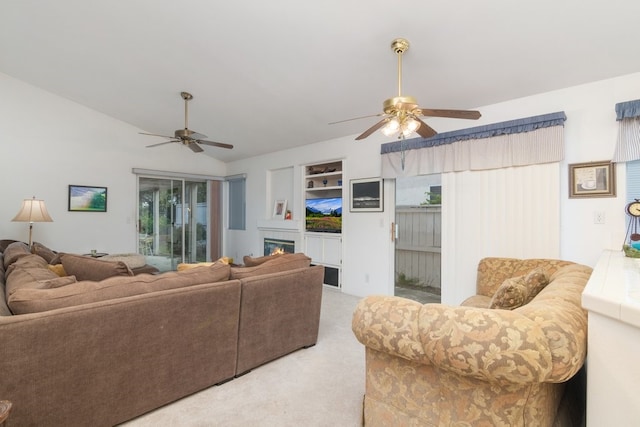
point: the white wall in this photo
(49, 142)
(590, 134)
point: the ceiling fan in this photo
(186, 136)
(402, 113)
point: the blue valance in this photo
(628, 110)
(487, 131)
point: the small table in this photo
(96, 255)
(5, 408)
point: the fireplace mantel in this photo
(279, 224)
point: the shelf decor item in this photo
(279, 209)
(593, 179)
(367, 195)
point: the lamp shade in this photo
(33, 210)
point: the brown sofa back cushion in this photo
(27, 272)
(14, 251)
(88, 268)
(43, 251)
(275, 265)
(250, 261)
(84, 292)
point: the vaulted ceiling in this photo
(271, 75)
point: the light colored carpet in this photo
(315, 387)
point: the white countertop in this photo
(614, 288)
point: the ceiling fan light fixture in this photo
(392, 127)
(409, 126)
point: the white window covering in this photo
(511, 212)
(628, 143)
(533, 140)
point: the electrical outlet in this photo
(598, 217)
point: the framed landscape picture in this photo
(367, 195)
(83, 198)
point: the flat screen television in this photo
(324, 214)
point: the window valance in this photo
(531, 140)
(628, 142)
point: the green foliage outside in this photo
(432, 198)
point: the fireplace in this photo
(274, 246)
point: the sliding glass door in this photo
(172, 221)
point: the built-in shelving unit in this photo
(324, 181)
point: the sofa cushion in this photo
(518, 291)
(275, 265)
(28, 273)
(88, 268)
(84, 292)
(4, 243)
(57, 282)
(252, 262)
(14, 251)
(27, 261)
(43, 251)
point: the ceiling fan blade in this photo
(194, 147)
(155, 134)
(196, 135)
(357, 118)
(424, 130)
(161, 143)
(373, 128)
(455, 114)
(215, 144)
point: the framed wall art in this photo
(367, 195)
(593, 179)
(279, 209)
(83, 198)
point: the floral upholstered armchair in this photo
(471, 365)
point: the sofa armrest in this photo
(390, 325)
(489, 345)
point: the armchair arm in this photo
(390, 325)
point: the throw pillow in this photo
(535, 281)
(511, 294)
(88, 268)
(58, 269)
(518, 291)
(187, 266)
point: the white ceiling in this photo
(270, 75)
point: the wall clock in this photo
(631, 244)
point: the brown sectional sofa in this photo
(102, 352)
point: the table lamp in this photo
(32, 210)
